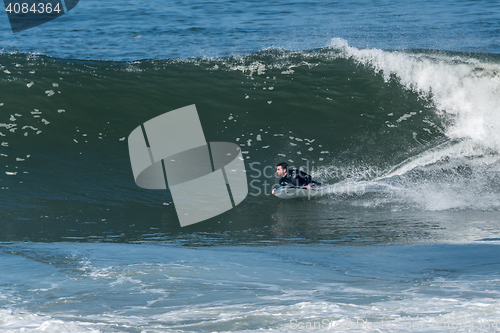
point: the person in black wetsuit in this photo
(293, 177)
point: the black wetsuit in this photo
(297, 178)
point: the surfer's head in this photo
(282, 169)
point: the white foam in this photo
(466, 93)
(16, 321)
(466, 149)
(461, 87)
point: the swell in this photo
(359, 114)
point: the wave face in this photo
(416, 129)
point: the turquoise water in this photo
(394, 106)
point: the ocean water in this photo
(393, 106)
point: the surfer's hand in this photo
(309, 187)
(274, 190)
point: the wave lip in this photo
(465, 88)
